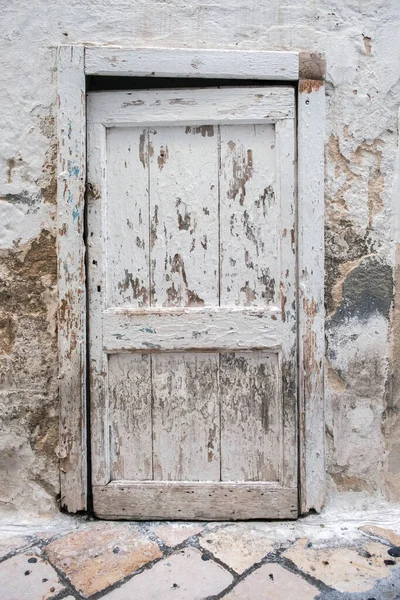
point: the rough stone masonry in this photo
(362, 48)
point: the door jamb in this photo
(307, 70)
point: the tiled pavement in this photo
(81, 558)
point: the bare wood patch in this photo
(312, 65)
(204, 130)
(306, 86)
(204, 501)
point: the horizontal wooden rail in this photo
(191, 106)
(194, 500)
(188, 62)
(191, 329)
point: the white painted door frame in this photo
(304, 70)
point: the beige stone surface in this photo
(345, 569)
(239, 546)
(24, 580)
(10, 544)
(98, 556)
(272, 582)
(173, 534)
(182, 576)
(384, 534)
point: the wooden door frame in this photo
(306, 70)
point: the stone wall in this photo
(362, 46)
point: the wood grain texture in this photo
(311, 123)
(191, 501)
(189, 107)
(71, 166)
(251, 417)
(249, 236)
(127, 217)
(186, 437)
(131, 429)
(187, 62)
(183, 183)
(191, 329)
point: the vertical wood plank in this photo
(249, 216)
(251, 417)
(71, 124)
(311, 124)
(184, 216)
(129, 381)
(128, 283)
(184, 270)
(128, 280)
(186, 417)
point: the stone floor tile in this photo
(239, 546)
(173, 534)
(10, 544)
(96, 557)
(384, 534)
(28, 577)
(345, 569)
(182, 576)
(272, 582)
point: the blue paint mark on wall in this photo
(73, 171)
(151, 346)
(147, 330)
(75, 212)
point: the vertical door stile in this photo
(220, 399)
(149, 152)
(104, 296)
(96, 286)
(285, 172)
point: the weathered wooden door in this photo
(192, 303)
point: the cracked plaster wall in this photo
(362, 47)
